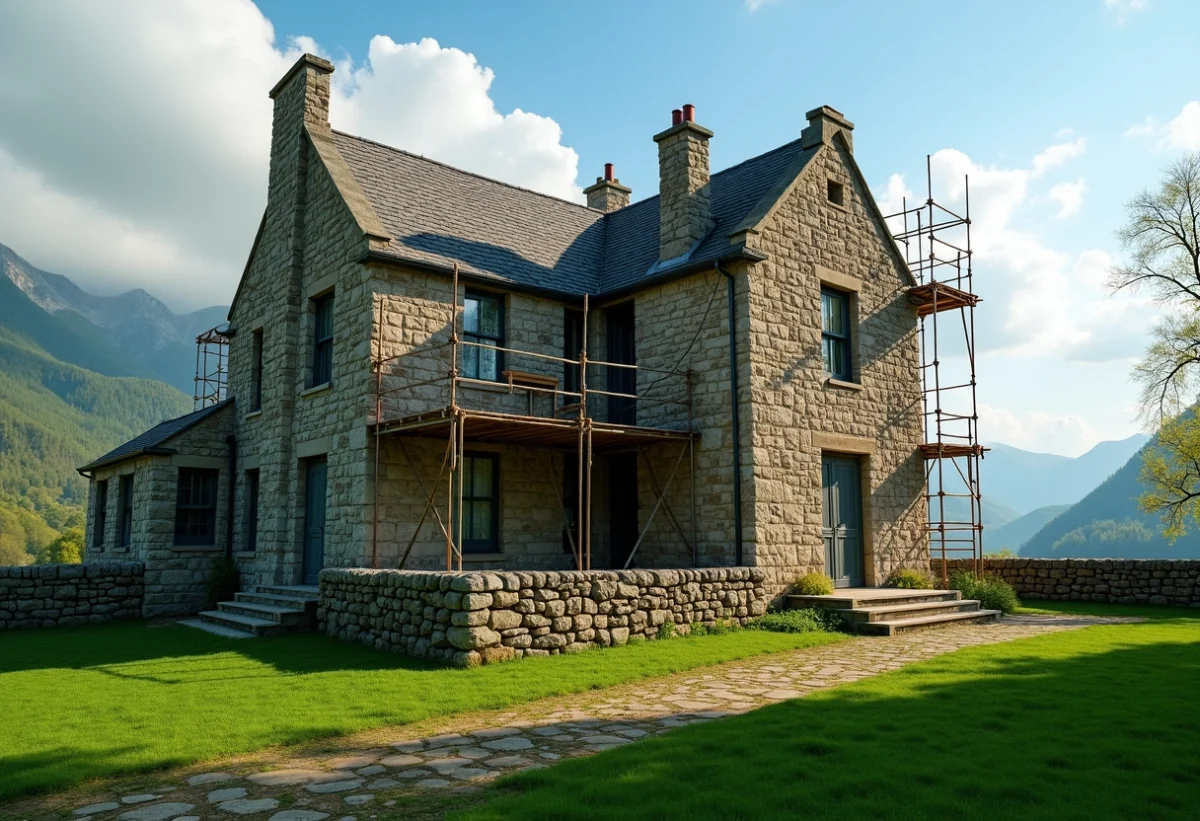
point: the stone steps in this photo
(269, 610)
(886, 612)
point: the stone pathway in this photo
(375, 771)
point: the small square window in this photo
(837, 193)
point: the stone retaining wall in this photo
(1126, 581)
(478, 618)
(61, 595)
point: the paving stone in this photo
(496, 732)
(299, 815)
(632, 732)
(324, 787)
(401, 761)
(781, 695)
(92, 809)
(408, 746)
(227, 794)
(359, 800)
(416, 773)
(285, 778)
(431, 783)
(140, 798)
(382, 784)
(209, 778)
(550, 756)
(249, 806)
(446, 764)
(350, 762)
(157, 812)
(607, 740)
(474, 752)
(449, 740)
(507, 761)
(546, 731)
(374, 769)
(510, 744)
(468, 773)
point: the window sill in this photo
(315, 389)
(498, 387)
(196, 548)
(840, 384)
(834, 205)
(253, 414)
(245, 554)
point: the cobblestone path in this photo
(372, 772)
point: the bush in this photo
(667, 630)
(992, 592)
(718, 628)
(809, 620)
(223, 582)
(813, 584)
(907, 578)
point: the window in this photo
(480, 501)
(835, 333)
(256, 360)
(483, 322)
(251, 510)
(572, 346)
(101, 518)
(125, 497)
(196, 507)
(837, 193)
(322, 359)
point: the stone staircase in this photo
(888, 611)
(270, 610)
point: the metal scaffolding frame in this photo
(212, 367)
(937, 247)
(570, 426)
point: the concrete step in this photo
(299, 591)
(870, 598)
(246, 624)
(274, 600)
(216, 629)
(916, 610)
(287, 616)
(892, 627)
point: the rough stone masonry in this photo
(62, 595)
(468, 619)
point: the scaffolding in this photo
(212, 367)
(936, 243)
(570, 426)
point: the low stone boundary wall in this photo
(61, 595)
(478, 618)
(1125, 581)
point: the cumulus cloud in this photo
(1065, 434)
(1123, 10)
(1069, 196)
(1180, 133)
(145, 164)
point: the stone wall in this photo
(1124, 581)
(63, 595)
(478, 618)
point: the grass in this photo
(1093, 608)
(99, 701)
(1086, 724)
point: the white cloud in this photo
(1181, 133)
(1124, 9)
(1064, 434)
(1069, 196)
(1057, 154)
(145, 164)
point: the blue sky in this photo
(1059, 111)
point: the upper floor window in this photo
(322, 354)
(836, 193)
(256, 369)
(196, 507)
(572, 346)
(483, 322)
(835, 333)
(100, 520)
(125, 497)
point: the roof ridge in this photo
(469, 173)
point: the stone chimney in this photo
(684, 213)
(607, 194)
(823, 123)
(301, 99)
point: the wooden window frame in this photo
(830, 338)
(125, 505)
(321, 372)
(478, 546)
(476, 335)
(189, 482)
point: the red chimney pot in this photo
(689, 113)
(608, 171)
(676, 116)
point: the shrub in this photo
(809, 620)
(992, 592)
(813, 584)
(223, 582)
(907, 578)
(667, 630)
(718, 628)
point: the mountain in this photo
(1026, 481)
(995, 514)
(1106, 523)
(1015, 533)
(148, 336)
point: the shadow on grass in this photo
(1091, 724)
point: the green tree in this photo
(1162, 240)
(66, 549)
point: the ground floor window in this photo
(100, 521)
(480, 503)
(252, 510)
(196, 507)
(126, 500)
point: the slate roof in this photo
(152, 440)
(440, 215)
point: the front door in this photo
(841, 520)
(314, 520)
(622, 506)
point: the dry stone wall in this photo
(1124, 581)
(64, 595)
(468, 619)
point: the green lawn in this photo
(81, 703)
(1088, 724)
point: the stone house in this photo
(432, 369)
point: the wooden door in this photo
(841, 520)
(316, 472)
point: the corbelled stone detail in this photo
(823, 124)
(684, 210)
